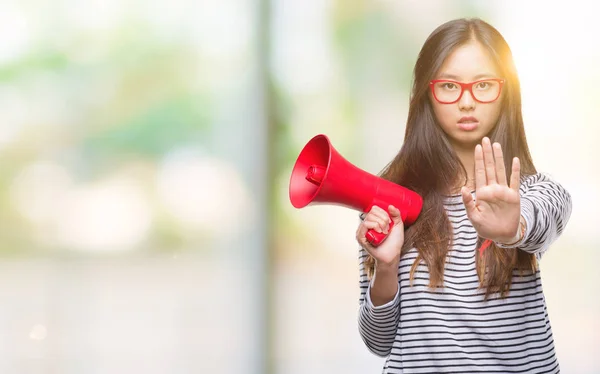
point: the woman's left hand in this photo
(496, 210)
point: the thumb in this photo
(395, 215)
(468, 200)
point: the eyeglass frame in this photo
(468, 87)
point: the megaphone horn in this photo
(322, 176)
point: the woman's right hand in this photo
(388, 252)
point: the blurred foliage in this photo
(96, 104)
(373, 48)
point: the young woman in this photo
(459, 291)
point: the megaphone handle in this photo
(376, 238)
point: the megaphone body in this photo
(322, 176)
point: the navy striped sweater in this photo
(452, 329)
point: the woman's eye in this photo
(449, 86)
(482, 85)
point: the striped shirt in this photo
(452, 329)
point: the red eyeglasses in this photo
(449, 92)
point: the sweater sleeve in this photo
(377, 324)
(546, 207)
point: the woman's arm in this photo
(546, 208)
(379, 311)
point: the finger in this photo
(361, 238)
(500, 169)
(488, 158)
(382, 216)
(468, 200)
(480, 179)
(380, 213)
(395, 215)
(375, 224)
(361, 230)
(515, 177)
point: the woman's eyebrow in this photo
(457, 78)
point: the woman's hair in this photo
(428, 165)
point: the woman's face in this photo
(467, 121)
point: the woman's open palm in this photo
(496, 209)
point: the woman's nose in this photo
(466, 101)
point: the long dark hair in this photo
(428, 164)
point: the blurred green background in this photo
(146, 148)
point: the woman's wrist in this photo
(518, 236)
(387, 267)
(385, 284)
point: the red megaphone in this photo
(322, 176)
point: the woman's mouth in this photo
(468, 123)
